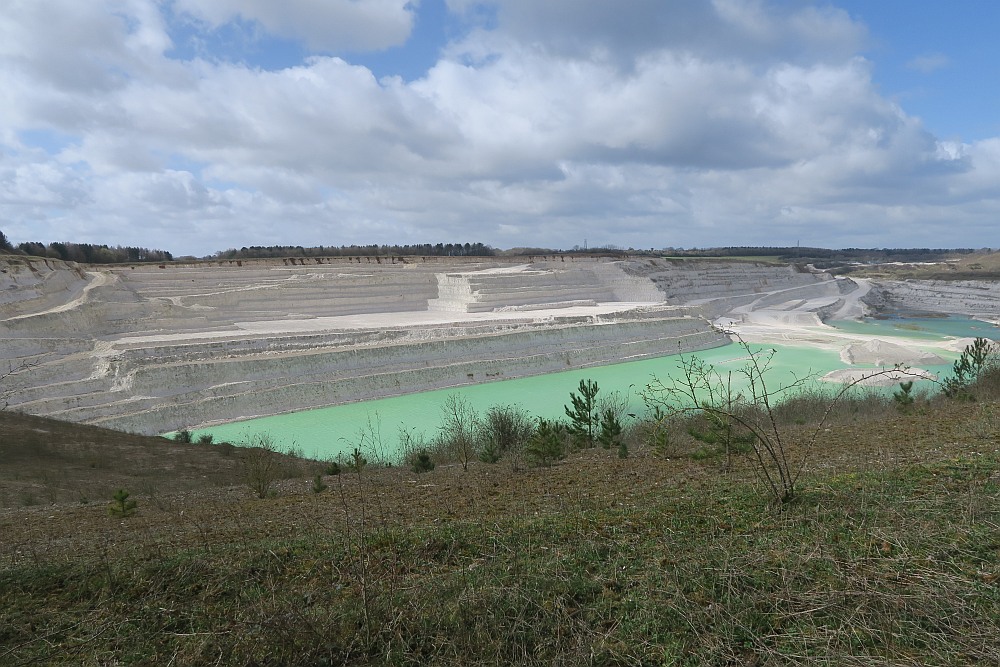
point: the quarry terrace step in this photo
(208, 405)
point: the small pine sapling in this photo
(659, 434)
(547, 444)
(966, 369)
(490, 452)
(357, 462)
(422, 462)
(583, 415)
(903, 396)
(610, 429)
(121, 505)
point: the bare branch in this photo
(700, 389)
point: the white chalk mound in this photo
(884, 353)
(959, 344)
(873, 377)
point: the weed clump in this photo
(503, 432)
(260, 464)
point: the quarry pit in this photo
(152, 348)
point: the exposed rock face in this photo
(32, 285)
(961, 297)
(540, 286)
(518, 288)
(248, 385)
(709, 280)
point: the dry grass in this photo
(976, 266)
(889, 555)
(45, 462)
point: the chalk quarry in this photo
(153, 348)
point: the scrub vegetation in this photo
(888, 552)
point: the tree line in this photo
(85, 253)
(374, 250)
(795, 253)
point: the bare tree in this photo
(503, 432)
(748, 415)
(260, 464)
(459, 428)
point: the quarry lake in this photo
(325, 433)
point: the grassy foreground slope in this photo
(890, 554)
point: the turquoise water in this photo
(925, 328)
(327, 432)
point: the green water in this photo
(924, 328)
(326, 432)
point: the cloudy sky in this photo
(199, 125)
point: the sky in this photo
(194, 126)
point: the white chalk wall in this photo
(960, 297)
(149, 348)
(188, 395)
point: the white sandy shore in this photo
(884, 353)
(797, 322)
(874, 377)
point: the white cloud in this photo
(688, 124)
(930, 62)
(34, 183)
(749, 30)
(327, 25)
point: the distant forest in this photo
(797, 254)
(85, 253)
(421, 249)
(789, 251)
